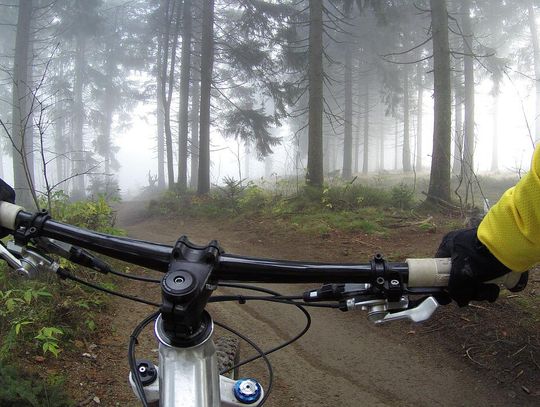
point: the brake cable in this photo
(64, 274)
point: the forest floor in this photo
(483, 355)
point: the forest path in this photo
(343, 360)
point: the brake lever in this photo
(32, 262)
(381, 311)
(421, 312)
(13, 261)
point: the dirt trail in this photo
(343, 360)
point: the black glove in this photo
(7, 194)
(472, 265)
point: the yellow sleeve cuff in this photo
(511, 228)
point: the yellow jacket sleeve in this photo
(511, 228)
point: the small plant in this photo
(402, 196)
(49, 337)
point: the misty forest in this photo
(307, 130)
(313, 90)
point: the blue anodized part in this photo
(247, 390)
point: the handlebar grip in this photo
(435, 272)
(8, 214)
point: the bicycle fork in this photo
(188, 376)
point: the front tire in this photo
(228, 355)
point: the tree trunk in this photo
(495, 140)
(160, 114)
(59, 129)
(315, 173)
(108, 106)
(536, 59)
(328, 154)
(79, 190)
(347, 141)
(419, 115)
(207, 64)
(396, 143)
(20, 131)
(167, 84)
(357, 140)
(381, 140)
(467, 168)
(365, 161)
(458, 123)
(183, 125)
(194, 114)
(439, 181)
(406, 135)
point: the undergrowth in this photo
(25, 390)
(352, 206)
(41, 317)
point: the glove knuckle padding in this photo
(472, 264)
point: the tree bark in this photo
(365, 161)
(396, 143)
(167, 84)
(536, 59)
(21, 125)
(315, 172)
(458, 123)
(439, 181)
(207, 64)
(357, 135)
(183, 125)
(495, 140)
(467, 168)
(194, 114)
(79, 189)
(160, 113)
(406, 152)
(419, 115)
(348, 137)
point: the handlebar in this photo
(416, 273)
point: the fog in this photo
(100, 93)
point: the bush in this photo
(354, 196)
(254, 199)
(24, 390)
(95, 214)
(402, 196)
(40, 313)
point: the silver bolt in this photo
(394, 282)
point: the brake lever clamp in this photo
(386, 280)
(32, 228)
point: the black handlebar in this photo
(227, 268)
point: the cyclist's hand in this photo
(472, 265)
(7, 194)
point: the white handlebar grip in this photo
(436, 273)
(8, 214)
(429, 272)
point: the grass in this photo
(324, 222)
